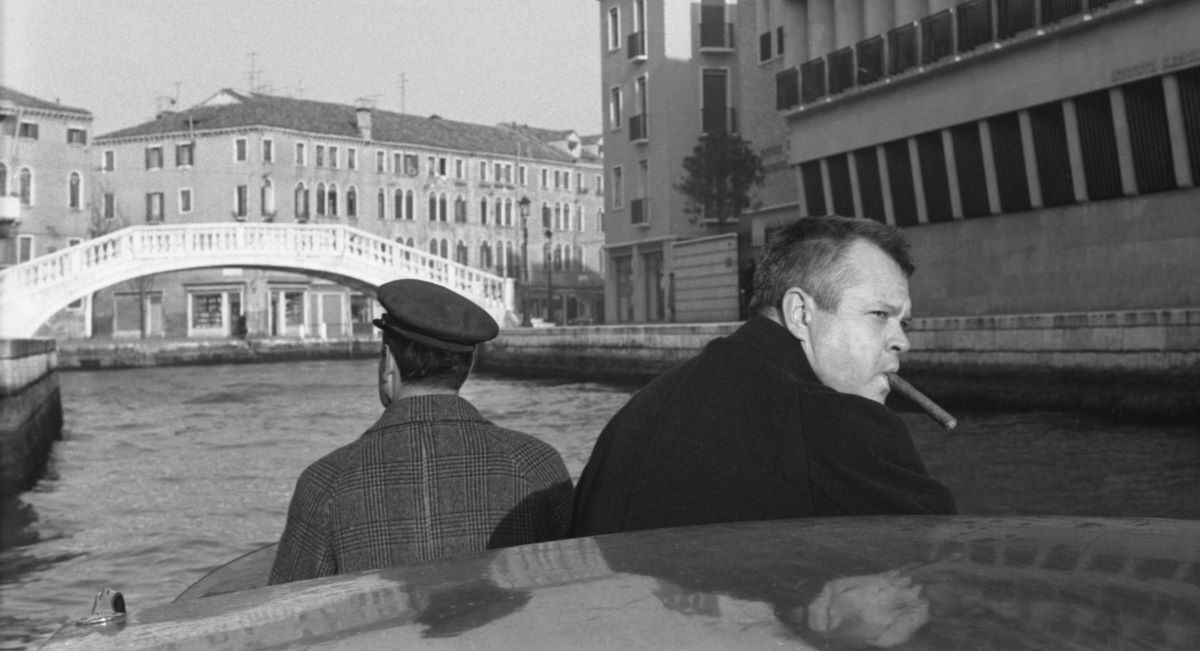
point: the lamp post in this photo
(550, 277)
(523, 208)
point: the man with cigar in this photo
(785, 417)
(432, 477)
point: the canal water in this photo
(166, 473)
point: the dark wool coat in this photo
(431, 478)
(745, 431)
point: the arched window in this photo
(460, 210)
(432, 208)
(433, 246)
(333, 200)
(483, 211)
(461, 255)
(508, 220)
(485, 255)
(351, 201)
(577, 259)
(398, 204)
(3, 180)
(410, 243)
(301, 201)
(500, 257)
(499, 214)
(558, 217)
(74, 189)
(510, 265)
(320, 198)
(409, 206)
(579, 218)
(445, 248)
(381, 203)
(266, 198)
(25, 186)
(566, 255)
(442, 216)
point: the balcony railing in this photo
(639, 211)
(718, 118)
(637, 46)
(716, 37)
(10, 207)
(637, 128)
(968, 26)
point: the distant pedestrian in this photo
(432, 477)
(785, 417)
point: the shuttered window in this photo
(1189, 99)
(814, 188)
(1146, 113)
(1014, 17)
(932, 156)
(870, 186)
(968, 163)
(899, 167)
(1098, 140)
(839, 184)
(1009, 157)
(1050, 151)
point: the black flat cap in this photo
(434, 315)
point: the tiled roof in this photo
(29, 101)
(326, 118)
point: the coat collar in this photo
(774, 345)
(429, 408)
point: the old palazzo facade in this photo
(450, 188)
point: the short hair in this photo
(419, 363)
(807, 253)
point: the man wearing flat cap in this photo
(432, 478)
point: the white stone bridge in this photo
(32, 292)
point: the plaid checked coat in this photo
(431, 478)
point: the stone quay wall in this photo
(31, 415)
(1141, 364)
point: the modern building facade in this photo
(1043, 155)
(453, 189)
(671, 72)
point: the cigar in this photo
(901, 386)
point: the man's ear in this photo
(797, 312)
(389, 377)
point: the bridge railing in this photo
(264, 240)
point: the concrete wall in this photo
(30, 411)
(1144, 364)
(705, 280)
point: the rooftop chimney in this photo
(362, 114)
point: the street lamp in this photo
(550, 277)
(523, 208)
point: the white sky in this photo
(534, 62)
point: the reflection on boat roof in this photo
(902, 582)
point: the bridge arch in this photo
(33, 291)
